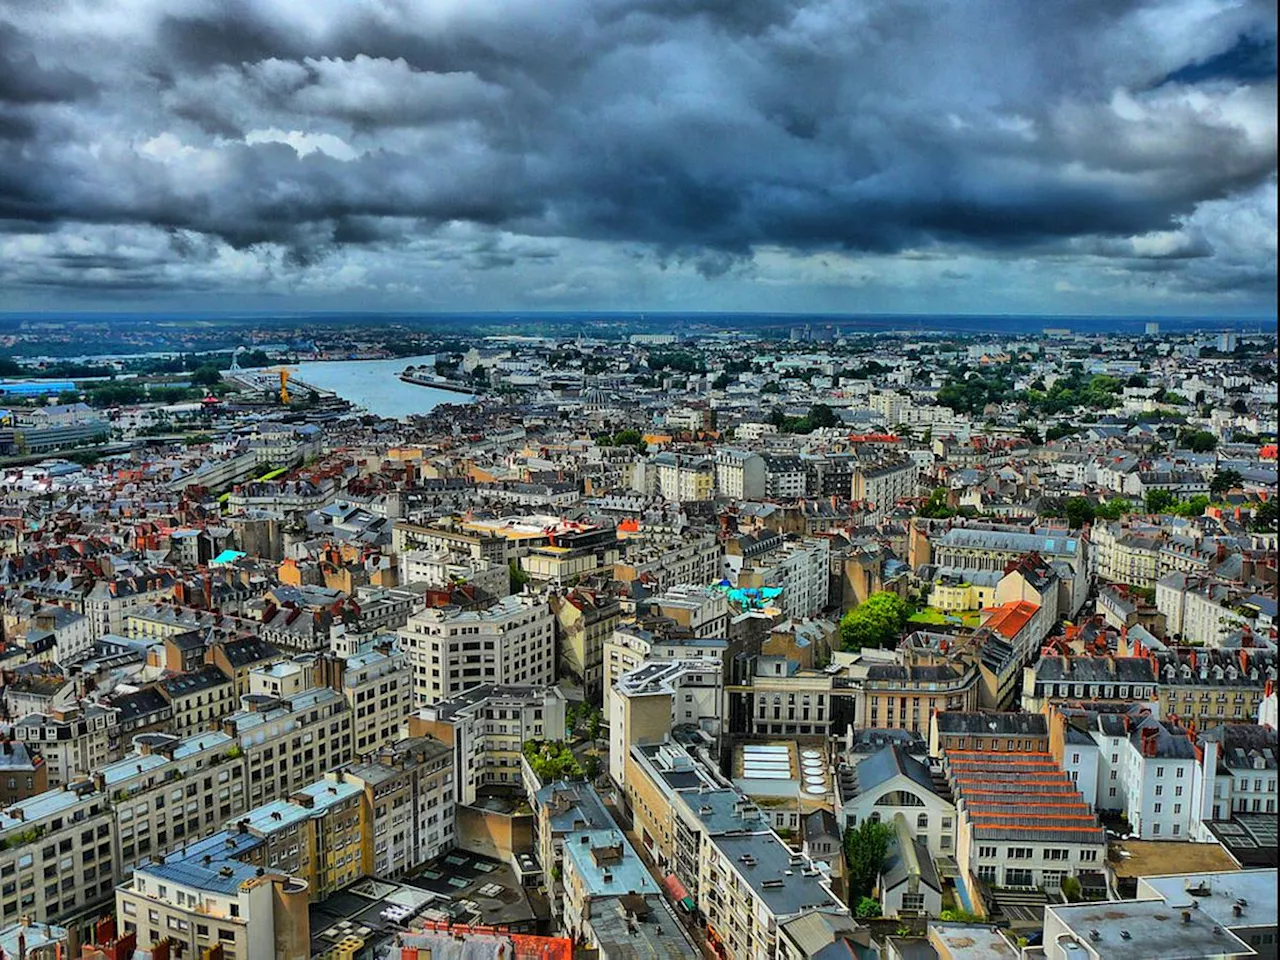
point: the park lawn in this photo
(934, 616)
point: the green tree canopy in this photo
(876, 622)
(865, 848)
(1224, 480)
(206, 376)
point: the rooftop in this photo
(786, 883)
(1143, 929)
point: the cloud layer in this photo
(973, 155)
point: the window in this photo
(922, 822)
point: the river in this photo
(376, 386)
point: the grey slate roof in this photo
(888, 763)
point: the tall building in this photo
(451, 650)
(206, 896)
(487, 727)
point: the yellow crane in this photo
(284, 383)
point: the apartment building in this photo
(905, 692)
(572, 552)
(409, 793)
(611, 904)
(1200, 610)
(237, 658)
(1238, 770)
(290, 741)
(443, 569)
(407, 536)
(318, 835)
(784, 477)
(1127, 679)
(989, 546)
(74, 740)
(1159, 777)
(487, 727)
(697, 610)
(720, 855)
(560, 809)
(1022, 823)
(110, 602)
(680, 477)
(740, 474)
(1227, 904)
(882, 483)
(987, 732)
(646, 703)
(630, 645)
(172, 790)
(1211, 687)
(57, 854)
(584, 619)
(199, 699)
(667, 560)
(749, 883)
(451, 650)
(205, 896)
(23, 772)
(378, 687)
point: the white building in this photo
(452, 650)
(890, 783)
(740, 474)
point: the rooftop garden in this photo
(552, 760)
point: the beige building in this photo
(200, 699)
(409, 792)
(630, 645)
(288, 742)
(205, 896)
(884, 483)
(74, 741)
(487, 728)
(450, 650)
(669, 559)
(170, 791)
(57, 855)
(584, 621)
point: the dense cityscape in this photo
(622, 639)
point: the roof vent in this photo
(1095, 935)
(1126, 935)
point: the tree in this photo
(1113, 509)
(821, 415)
(720, 382)
(865, 848)
(876, 622)
(1198, 441)
(1194, 507)
(516, 577)
(1160, 501)
(1079, 512)
(206, 376)
(771, 387)
(1224, 480)
(936, 508)
(1071, 889)
(1238, 406)
(868, 908)
(1264, 517)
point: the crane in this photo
(284, 383)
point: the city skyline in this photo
(641, 156)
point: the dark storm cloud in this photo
(703, 129)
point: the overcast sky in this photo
(1040, 156)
